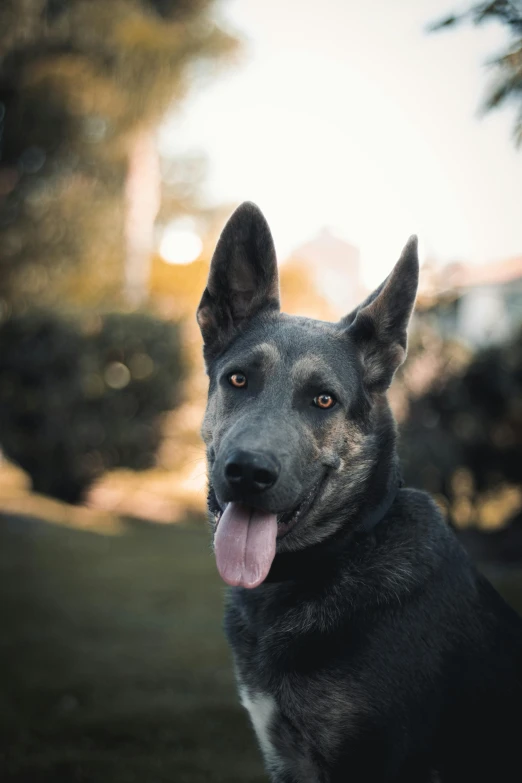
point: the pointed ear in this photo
(379, 325)
(242, 281)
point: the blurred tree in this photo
(80, 81)
(462, 437)
(507, 82)
(83, 85)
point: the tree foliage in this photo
(462, 437)
(506, 84)
(79, 80)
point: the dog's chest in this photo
(284, 749)
(299, 712)
(264, 712)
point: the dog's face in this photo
(297, 419)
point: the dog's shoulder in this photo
(417, 525)
(415, 528)
(422, 537)
(418, 507)
(417, 558)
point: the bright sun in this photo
(179, 246)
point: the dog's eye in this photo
(324, 401)
(237, 379)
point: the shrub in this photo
(463, 438)
(78, 398)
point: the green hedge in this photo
(473, 421)
(78, 398)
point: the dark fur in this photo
(374, 651)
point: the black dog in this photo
(367, 647)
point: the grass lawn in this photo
(114, 666)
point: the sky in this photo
(350, 115)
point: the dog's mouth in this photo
(287, 521)
(245, 538)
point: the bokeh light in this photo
(179, 245)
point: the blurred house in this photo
(482, 305)
(333, 267)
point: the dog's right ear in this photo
(379, 326)
(242, 281)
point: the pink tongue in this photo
(245, 545)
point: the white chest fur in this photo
(262, 709)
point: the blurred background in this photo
(129, 131)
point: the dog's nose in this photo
(251, 471)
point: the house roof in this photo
(327, 248)
(452, 280)
(492, 273)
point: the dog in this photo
(366, 645)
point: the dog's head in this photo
(297, 424)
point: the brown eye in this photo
(324, 401)
(238, 380)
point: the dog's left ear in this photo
(379, 325)
(243, 279)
